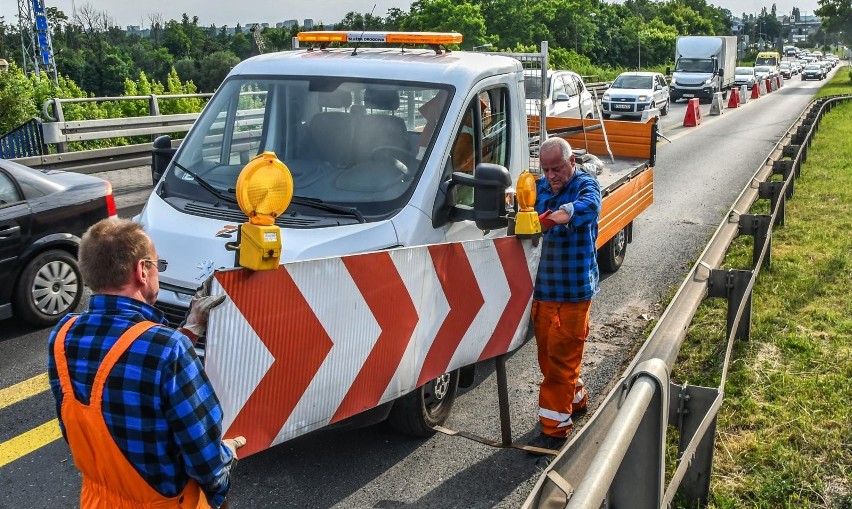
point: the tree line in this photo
(592, 37)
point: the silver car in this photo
(565, 94)
(744, 76)
(634, 92)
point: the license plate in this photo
(621, 106)
(689, 95)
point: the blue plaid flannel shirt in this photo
(158, 404)
(568, 270)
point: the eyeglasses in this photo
(161, 264)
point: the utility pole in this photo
(258, 38)
(36, 44)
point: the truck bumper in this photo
(688, 93)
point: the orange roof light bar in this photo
(382, 37)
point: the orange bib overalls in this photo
(109, 480)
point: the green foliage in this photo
(836, 18)
(17, 101)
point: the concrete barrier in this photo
(717, 106)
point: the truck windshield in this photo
(766, 61)
(694, 65)
(358, 144)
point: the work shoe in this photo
(546, 443)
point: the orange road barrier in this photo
(693, 113)
(734, 98)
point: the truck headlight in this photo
(709, 81)
(606, 96)
(643, 97)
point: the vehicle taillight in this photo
(112, 211)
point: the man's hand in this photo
(545, 220)
(234, 443)
(199, 310)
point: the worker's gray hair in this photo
(564, 147)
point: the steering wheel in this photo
(393, 154)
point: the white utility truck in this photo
(406, 155)
(704, 65)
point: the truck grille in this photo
(237, 216)
(174, 314)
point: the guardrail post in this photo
(785, 168)
(689, 405)
(772, 190)
(760, 227)
(61, 147)
(153, 106)
(732, 284)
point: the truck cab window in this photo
(483, 136)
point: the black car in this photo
(43, 214)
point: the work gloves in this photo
(233, 444)
(545, 221)
(199, 309)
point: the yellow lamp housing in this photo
(264, 190)
(260, 246)
(526, 222)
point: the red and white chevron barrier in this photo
(314, 342)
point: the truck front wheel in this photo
(611, 255)
(418, 412)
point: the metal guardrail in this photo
(23, 141)
(58, 132)
(618, 458)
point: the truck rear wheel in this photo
(417, 412)
(611, 255)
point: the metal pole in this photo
(503, 401)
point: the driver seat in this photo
(379, 129)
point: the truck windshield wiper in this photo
(321, 205)
(207, 186)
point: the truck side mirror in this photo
(721, 72)
(668, 71)
(489, 210)
(490, 182)
(161, 155)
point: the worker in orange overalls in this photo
(134, 404)
(568, 201)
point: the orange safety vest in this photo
(109, 480)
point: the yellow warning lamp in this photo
(526, 222)
(264, 190)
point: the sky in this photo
(231, 12)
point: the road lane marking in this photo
(29, 441)
(23, 390)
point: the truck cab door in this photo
(482, 135)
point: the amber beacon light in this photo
(526, 222)
(264, 190)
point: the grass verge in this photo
(784, 436)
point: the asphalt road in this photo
(698, 176)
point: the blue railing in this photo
(26, 140)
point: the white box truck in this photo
(704, 65)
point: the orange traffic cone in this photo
(755, 90)
(734, 98)
(693, 113)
